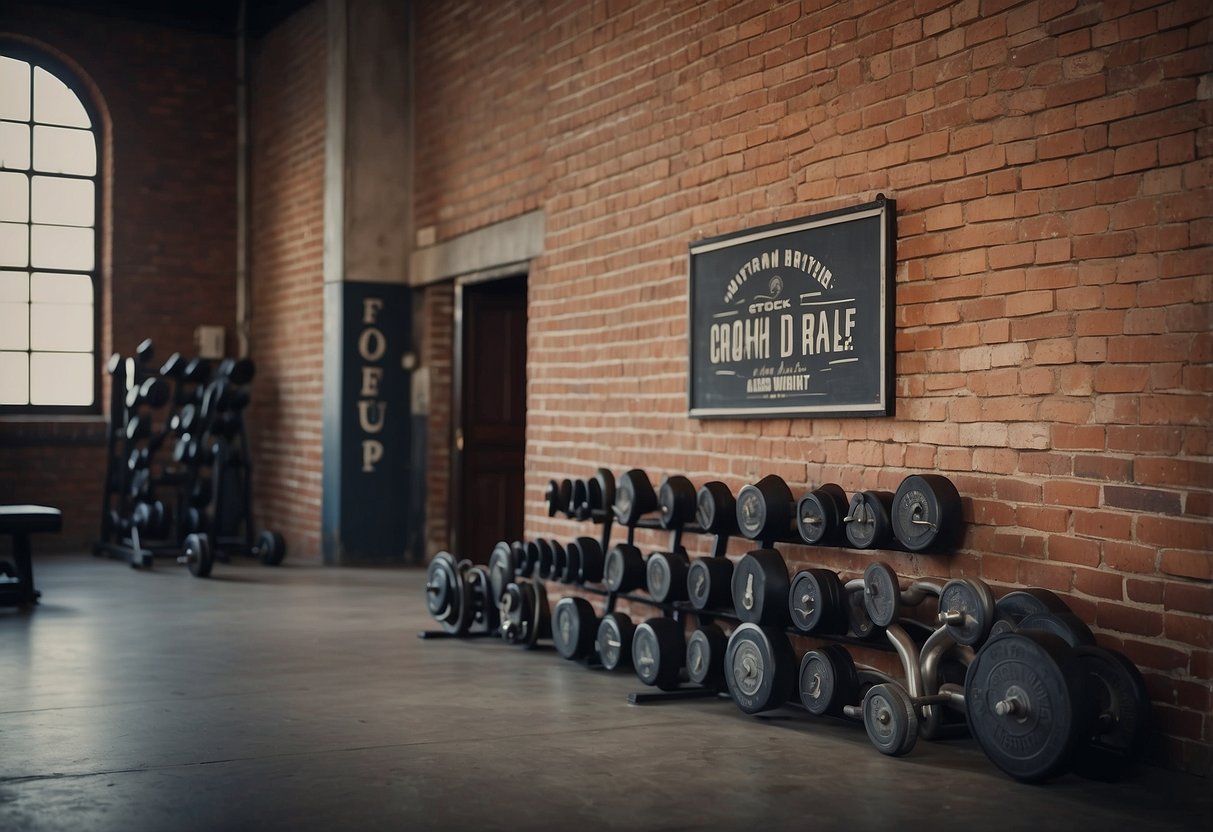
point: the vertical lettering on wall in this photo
(372, 412)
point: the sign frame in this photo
(873, 279)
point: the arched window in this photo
(49, 244)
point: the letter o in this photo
(365, 348)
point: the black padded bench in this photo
(17, 578)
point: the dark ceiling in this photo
(217, 16)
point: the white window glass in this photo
(61, 327)
(62, 201)
(59, 247)
(14, 89)
(61, 378)
(14, 326)
(14, 287)
(14, 244)
(14, 378)
(61, 288)
(54, 103)
(14, 197)
(62, 150)
(14, 146)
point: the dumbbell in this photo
(676, 499)
(574, 628)
(586, 560)
(666, 576)
(766, 509)
(659, 652)
(614, 641)
(525, 618)
(716, 509)
(634, 497)
(709, 583)
(869, 520)
(624, 568)
(760, 588)
(820, 514)
(706, 647)
(926, 513)
(759, 667)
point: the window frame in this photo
(39, 58)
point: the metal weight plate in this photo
(859, 622)
(271, 547)
(1120, 705)
(483, 605)
(659, 652)
(828, 680)
(966, 609)
(764, 509)
(198, 555)
(1017, 605)
(706, 647)
(624, 568)
(501, 570)
(1072, 629)
(715, 508)
(926, 512)
(890, 719)
(614, 641)
(759, 668)
(666, 576)
(881, 593)
(634, 497)
(676, 499)
(816, 602)
(516, 615)
(819, 514)
(541, 622)
(440, 579)
(709, 583)
(543, 564)
(574, 627)
(760, 588)
(590, 560)
(1024, 695)
(868, 522)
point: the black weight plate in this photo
(198, 555)
(139, 427)
(634, 497)
(1120, 706)
(828, 680)
(272, 547)
(890, 719)
(154, 392)
(816, 602)
(881, 593)
(623, 569)
(572, 564)
(859, 623)
(966, 608)
(926, 512)
(709, 583)
(614, 641)
(666, 576)
(868, 521)
(530, 559)
(1024, 694)
(605, 490)
(559, 560)
(574, 627)
(579, 499)
(590, 560)
(759, 668)
(544, 562)
(760, 588)
(819, 514)
(1017, 605)
(551, 496)
(676, 498)
(517, 616)
(659, 652)
(764, 509)
(484, 606)
(440, 579)
(1072, 629)
(715, 508)
(706, 647)
(541, 623)
(501, 570)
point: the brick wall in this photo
(169, 94)
(1050, 162)
(287, 70)
(437, 344)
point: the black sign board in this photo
(796, 318)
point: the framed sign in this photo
(796, 318)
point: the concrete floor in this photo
(300, 698)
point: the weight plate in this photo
(440, 579)
(760, 588)
(559, 560)
(543, 564)
(517, 617)
(530, 559)
(859, 623)
(541, 621)
(816, 602)
(614, 641)
(139, 427)
(198, 555)
(572, 564)
(709, 583)
(501, 570)
(926, 512)
(666, 576)
(551, 496)
(706, 647)
(605, 490)
(890, 719)
(590, 560)
(759, 667)
(624, 568)
(272, 547)
(881, 593)
(574, 627)
(819, 514)
(676, 499)
(154, 392)
(764, 509)
(1017, 605)
(658, 652)
(484, 606)
(1120, 706)
(579, 498)
(966, 609)
(1024, 694)
(828, 680)
(868, 522)
(634, 497)
(715, 508)
(1072, 629)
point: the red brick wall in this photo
(170, 98)
(437, 341)
(1050, 162)
(287, 71)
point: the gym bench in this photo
(17, 578)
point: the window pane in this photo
(61, 378)
(14, 146)
(14, 326)
(60, 150)
(14, 197)
(14, 378)
(61, 288)
(14, 244)
(60, 326)
(56, 247)
(14, 287)
(62, 201)
(54, 103)
(14, 89)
